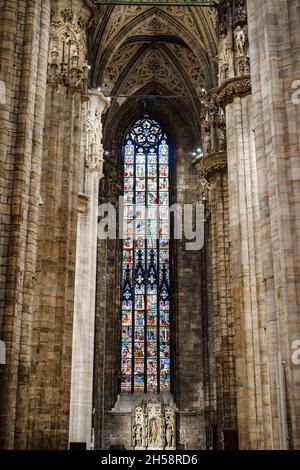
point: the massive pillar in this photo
(85, 275)
(234, 94)
(275, 69)
(24, 35)
(213, 192)
(50, 380)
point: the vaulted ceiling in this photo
(168, 50)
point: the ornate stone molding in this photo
(97, 105)
(213, 126)
(215, 163)
(154, 426)
(237, 86)
(207, 167)
(67, 64)
(203, 188)
(233, 53)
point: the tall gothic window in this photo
(145, 260)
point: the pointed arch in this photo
(104, 50)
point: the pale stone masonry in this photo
(274, 49)
(81, 402)
(247, 284)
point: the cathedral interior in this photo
(112, 113)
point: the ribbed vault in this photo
(169, 51)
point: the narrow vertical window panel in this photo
(145, 313)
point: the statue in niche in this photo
(213, 106)
(221, 139)
(137, 429)
(223, 55)
(240, 41)
(154, 433)
(203, 189)
(169, 436)
(139, 436)
(170, 429)
(221, 133)
(206, 136)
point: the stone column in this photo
(213, 192)
(50, 380)
(85, 276)
(234, 94)
(274, 51)
(216, 173)
(24, 37)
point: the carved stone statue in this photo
(203, 189)
(153, 433)
(223, 55)
(240, 41)
(154, 427)
(221, 133)
(169, 435)
(139, 436)
(221, 139)
(206, 138)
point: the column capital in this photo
(98, 101)
(97, 105)
(67, 62)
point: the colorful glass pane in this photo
(164, 199)
(145, 307)
(126, 374)
(152, 382)
(126, 350)
(164, 350)
(126, 317)
(140, 318)
(152, 350)
(128, 198)
(152, 366)
(128, 184)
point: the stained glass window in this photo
(145, 313)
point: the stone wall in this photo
(222, 340)
(247, 283)
(39, 190)
(188, 320)
(23, 68)
(50, 384)
(274, 50)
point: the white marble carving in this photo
(154, 427)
